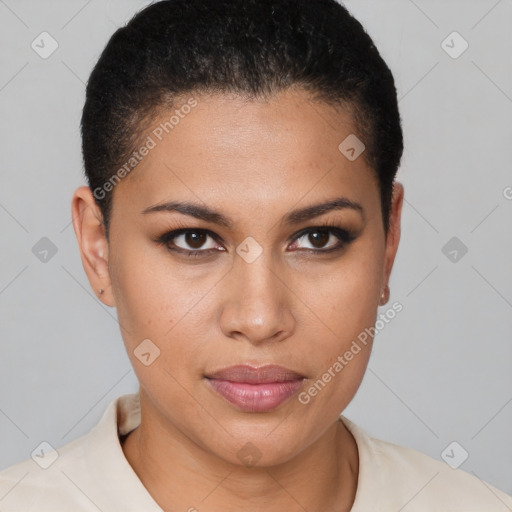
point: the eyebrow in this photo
(295, 217)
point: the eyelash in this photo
(345, 237)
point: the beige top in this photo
(91, 474)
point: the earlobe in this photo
(93, 245)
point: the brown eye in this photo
(323, 239)
(319, 238)
(194, 239)
(189, 241)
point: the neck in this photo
(180, 475)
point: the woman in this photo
(242, 216)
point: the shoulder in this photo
(413, 481)
(88, 474)
(432, 483)
(46, 481)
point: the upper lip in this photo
(253, 375)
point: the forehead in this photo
(239, 151)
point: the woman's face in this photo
(260, 289)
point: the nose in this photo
(257, 303)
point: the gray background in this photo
(440, 371)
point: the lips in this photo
(252, 375)
(253, 389)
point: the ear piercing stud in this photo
(384, 297)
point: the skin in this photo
(253, 161)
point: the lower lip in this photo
(256, 397)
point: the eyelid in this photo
(331, 228)
(344, 235)
(171, 234)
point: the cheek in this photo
(149, 308)
(342, 337)
(155, 301)
(345, 297)
(345, 303)
(147, 299)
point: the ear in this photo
(393, 237)
(90, 234)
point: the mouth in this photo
(253, 389)
(251, 375)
